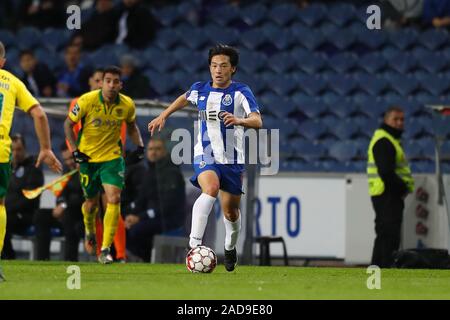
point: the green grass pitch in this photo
(48, 280)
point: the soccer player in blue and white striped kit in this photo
(225, 109)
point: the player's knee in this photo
(211, 190)
(231, 214)
(90, 205)
(114, 198)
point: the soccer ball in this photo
(201, 259)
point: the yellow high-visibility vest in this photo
(376, 184)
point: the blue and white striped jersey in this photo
(224, 144)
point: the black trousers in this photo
(72, 227)
(388, 223)
(15, 224)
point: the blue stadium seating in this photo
(254, 14)
(341, 14)
(434, 39)
(283, 14)
(343, 62)
(313, 15)
(28, 38)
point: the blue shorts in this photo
(230, 176)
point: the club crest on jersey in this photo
(227, 100)
(221, 115)
(119, 112)
(202, 164)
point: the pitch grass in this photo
(47, 280)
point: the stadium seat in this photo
(224, 15)
(311, 85)
(312, 15)
(343, 151)
(372, 62)
(164, 84)
(310, 63)
(343, 85)
(283, 14)
(159, 60)
(308, 106)
(280, 84)
(308, 38)
(403, 39)
(28, 38)
(307, 150)
(373, 39)
(254, 14)
(342, 107)
(344, 130)
(193, 38)
(403, 63)
(371, 84)
(220, 34)
(433, 39)
(8, 39)
(403, 85)
(341, 39)
(166, 39)
(282, 63)
(342, 62)
(252, 39)
(433, 63)
(311, 130)
(341, 14)
(192, 62)
(55, 39)
(252, 61)
(435, 85)
(168, 15)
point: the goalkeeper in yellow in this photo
(98, 150)
(14, 93)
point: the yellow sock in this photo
(2, 225)
(89, 219)
(110, 223)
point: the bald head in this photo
(2, 50)
(2, 55)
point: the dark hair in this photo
(99, 69)
(18, 137)
(219, 49)
(26, 52)
(392, 109)
(112, 70)
(2, 50)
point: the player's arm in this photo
(41, 126)
(78, 156)
(159, 121)
(252, 121)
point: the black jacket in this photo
(43, 77)
(72, 195)
(141, 26)
(163, 190)
(24, 176)
(384, 154)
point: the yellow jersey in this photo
(99, 136)
(12, 93)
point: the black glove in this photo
(80, 157)
(135, 156)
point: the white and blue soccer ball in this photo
(201, 259)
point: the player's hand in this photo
(135, 156)
(230, 120)
(80, 157)
(131, 220)
(48, 157)
(157, 123)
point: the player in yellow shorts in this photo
(98, 150)
(13, 92)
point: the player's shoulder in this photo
(90, 96)
(199, 85)
(9, 77)
(126, 100)
(240, 86)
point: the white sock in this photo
(200, 212)
(232, 230)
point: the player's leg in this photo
(110, 221)
(5, 174)
(2, 231)
(230, 204)
(90, 211)
(112, 175)
(90, 183)
(209, 183)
